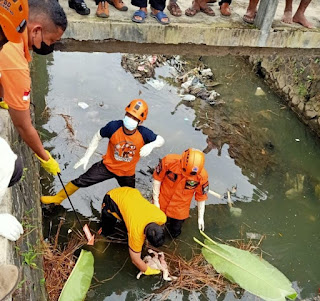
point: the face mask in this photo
(44, 48)
(129, 123)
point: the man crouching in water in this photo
(142, 219)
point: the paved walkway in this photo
(198, 30)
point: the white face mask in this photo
(130, 123)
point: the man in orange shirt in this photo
(176, 179)
(128, 141)
(47, 22)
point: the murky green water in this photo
(289, 219)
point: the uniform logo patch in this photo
(26, 96)
(171, 176)
(191, 184)
(124, 151)
(205, 188)
(195, 169)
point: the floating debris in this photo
(251, 235)
(68, 120)
(157, 84)
(188, 97)
(142, 66)
(198, 82)
(259, 92)
(83, 105)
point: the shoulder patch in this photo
(205, 188)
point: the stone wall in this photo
(22, 200)
(297, 80)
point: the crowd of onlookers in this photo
(157, 10)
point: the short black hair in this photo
(155, 234)
(3, 41)
(51, 9)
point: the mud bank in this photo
(297, 80)
(22, 202)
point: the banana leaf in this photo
(78, 283)
(249, 271)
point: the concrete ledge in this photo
(198, 30)
(22, 201)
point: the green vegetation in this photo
(302, 90)
(249, 271)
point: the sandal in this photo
(207, 10)
(159, 16)
(139, 13)
(174, 9)
(248, 19)
(191, 11)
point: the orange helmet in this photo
(138, 108)
(13, 18)
(192, 162)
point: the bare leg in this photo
(251, 11)
(299, 15)
(287, 14)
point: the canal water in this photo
(272, 158)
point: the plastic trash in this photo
(186, 85)
(251, 235)
(297, 140)
(213, 95)
(157, 84)
(83, 105)
(152, 59)
(259, 92)
(206, 72)
(188, 97)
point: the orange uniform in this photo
(15, 73)
(123, 151)
(176, 191)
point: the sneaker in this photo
(80, 7)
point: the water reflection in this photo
(249, 141)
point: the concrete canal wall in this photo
(22, 200)
(297, 80)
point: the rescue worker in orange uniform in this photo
(128, 141)
(176, 179)
(142, 220)
(46, 24)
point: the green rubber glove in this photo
(51, 166)
(151, 271)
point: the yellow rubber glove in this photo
(151, 271)
(51, 166)
(4, 105)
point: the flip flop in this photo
(174, 9)
(160, 15)
(139, 13)
(207, 10)
(249, 20)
